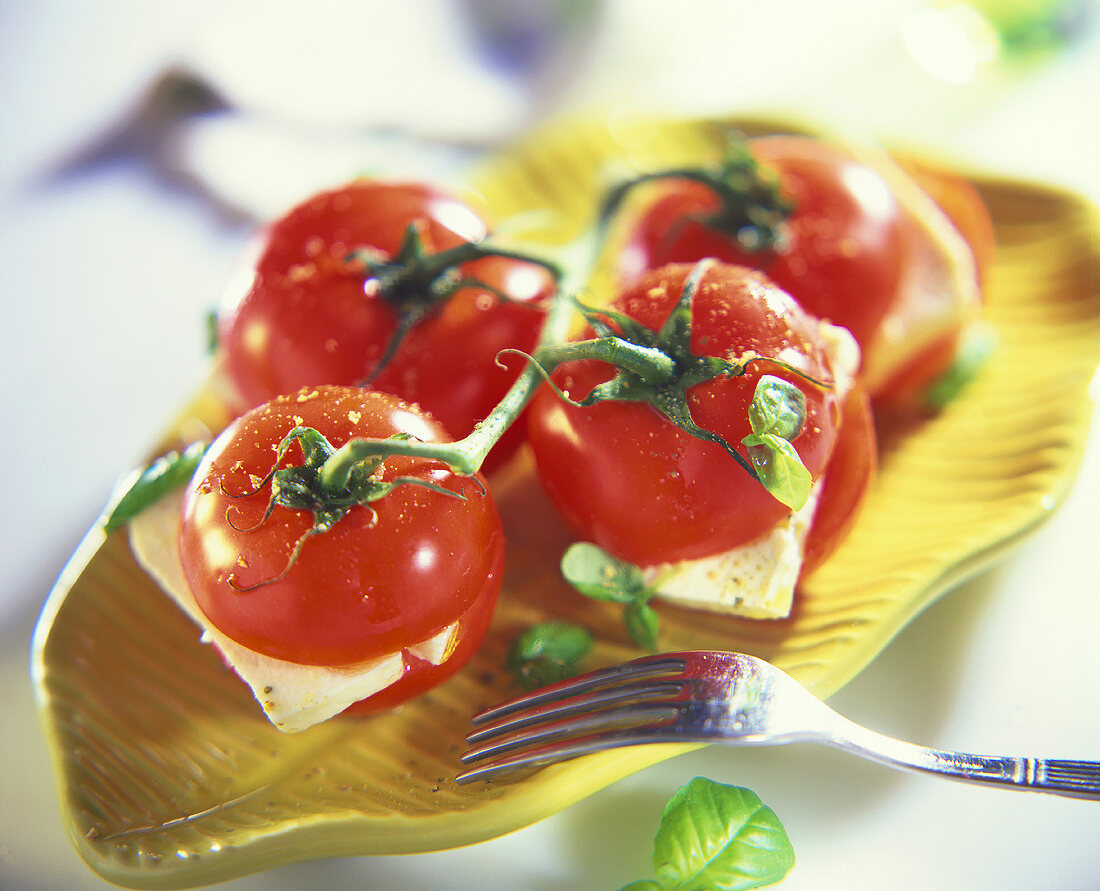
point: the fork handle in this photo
(1073, 779)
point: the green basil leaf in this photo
(973, 354)
(780, 469)
(778, 407)
(643, 885)
(714, 837)
(152, 483)
(642, 624)
(547, 653)
(598, 575)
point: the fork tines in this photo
(624, 704)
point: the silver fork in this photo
(709, 696)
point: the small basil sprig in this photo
(547, 653)
(152, 483)
(777, 415)
(598, 575)
(717, 837)
(973, 354)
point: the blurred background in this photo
(142, 142)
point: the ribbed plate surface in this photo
(171, 777)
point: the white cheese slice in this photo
(293, 696)
(436, 649)
(757, 580)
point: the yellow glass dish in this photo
(170, 776)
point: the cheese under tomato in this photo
(293, 696)
(757, 580)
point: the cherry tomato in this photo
(963, 205)
(846, 247)
(852, 469)
(628, 480)
(307, 315)
(386, 576)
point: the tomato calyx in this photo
(325, 484)
(751, 208)
(415, 282)
(660, 367)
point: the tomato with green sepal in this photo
(390, 285)
(301, 557)
(822, 224)
(649, 491)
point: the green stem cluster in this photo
(465, 456)
(415, 282)
(654, 367)
(750, 208)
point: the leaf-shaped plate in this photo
(171, 777)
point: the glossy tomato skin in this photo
(905, 389)
(308, 316)
(852, 469)
(448, 362)
(421, 675)
(963, 205)
(847, 243)
(645, 491)
(382, 579)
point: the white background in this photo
(113, 245)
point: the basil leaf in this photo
(598, 575)
(714, 837)
(642, 624)
(973, 354)
(780, 469)
(776, 415)
(547, 653)
(643, 885)
(152, 483)
(778, 407)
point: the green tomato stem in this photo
(577, 262)
(466, 455)
(439, 262)
(650, 364)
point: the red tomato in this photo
(385, 577)
(963, 205)
(845, 252)
(852, 469)
(628, 480)
(308, 316)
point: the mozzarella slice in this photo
(293, 696)
(757, 580)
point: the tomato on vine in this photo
(298, 555)
(649, 490)
(833, 235)
(388, 285)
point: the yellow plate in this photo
(171, 777)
